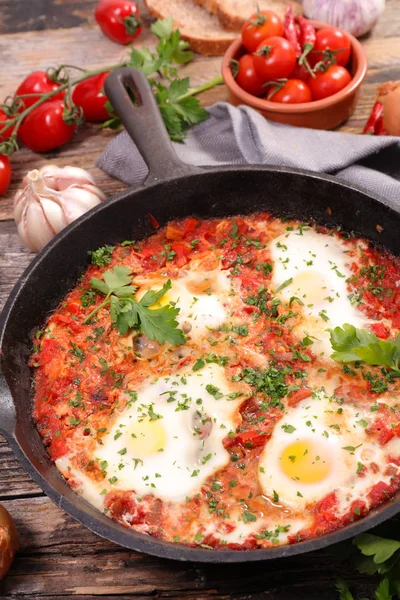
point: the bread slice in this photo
(210, 5)
(233, 13)
(200, 28)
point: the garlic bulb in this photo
(50, 199)
(354, 16)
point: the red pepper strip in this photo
(289, 29)
(380, 128)
(307, 31)
(376, 112)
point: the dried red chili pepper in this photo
(307, 32)
(289, 30)
(376, 113)
(379, 127)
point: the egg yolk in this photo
(145, 438)
(305, 462)
(311, 287)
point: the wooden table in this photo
(58, 557)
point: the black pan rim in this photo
(143, 542)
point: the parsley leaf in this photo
(101, 256)
(344, 592)
(351, 344)
(127, 312)
(380, 548)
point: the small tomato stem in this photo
(202, 88)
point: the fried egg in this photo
(168, 439)
(313, 268)
(201, 297)
(317, 448)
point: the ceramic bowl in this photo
(321, 114)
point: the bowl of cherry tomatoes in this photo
(295, 71)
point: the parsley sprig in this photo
(127, 312)
(351, 344)
(178, 106)
(378, 556)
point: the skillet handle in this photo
(132, 98)
(8, 416)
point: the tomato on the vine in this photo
(7, 132)
(259, 27)
(247, 77)
(293, 91)
(90, 96)
(300, 72)
(5, 173)
(329, 82)
(275, 58)
(119, 20)
(44, 129)
(38, 83)
(331, 41)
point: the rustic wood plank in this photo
(20, 15)
(58, 556)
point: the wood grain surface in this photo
(58, 557)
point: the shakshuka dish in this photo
(227, 383)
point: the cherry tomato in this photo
(329, 82)
(300, 72)
(6, 134)
(275, 58)
(330, 38)
(39, 83)
(260, 27)
(44, 129)
(247, 78)
(119, 20)
(89, 95)
(5, 173)
(294, 91)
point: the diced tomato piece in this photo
(396, 319)
(74, 308)
(148, 251)
(396, 430)
(174, 232)
(252, 439)
(190, 225)
(380, 330)
(378, 493)
(181, 254)
(68, 321)
(298, 395)
(326, 503)
(49, 351)
(380, 431)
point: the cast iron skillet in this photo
(172, 190)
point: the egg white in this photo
(317, 267)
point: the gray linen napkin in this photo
(242, 136)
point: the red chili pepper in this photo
(307, 32)
(376, 113)
(380, 128)
(289, 30)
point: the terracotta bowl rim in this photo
(304, 107)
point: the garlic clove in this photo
(54, 214)
(72, 176)
(34, 229)
(76, 201)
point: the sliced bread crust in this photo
(200, 28)
(233, 13)
(210, 5)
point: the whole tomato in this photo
(44, 129)
(275, 58)
(300, 72)
(294, 91)
(6, 134)
(119, 20)
(247, 77)
(38, 83)
(330, 40)
(5, 173)
(89, 95)
(259, 27)
(329, 82)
